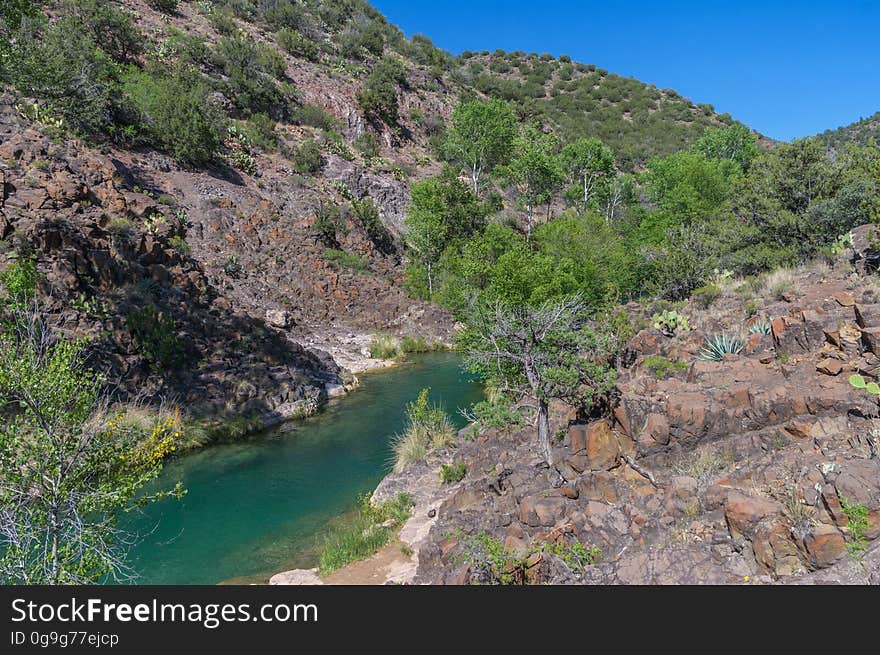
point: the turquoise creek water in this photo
(260, 506)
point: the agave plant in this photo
(859, 382)
(719, 346)
(761, 327)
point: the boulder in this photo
(279, 318)
(824, 545)
(744, 513)
(830, 366)
(542, 511)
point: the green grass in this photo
(419, 345)
(384, 346)
(366, 533)
(427, 428)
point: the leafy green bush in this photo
(308, 159)
(19, 281)
(330, 221)
(155, 336)
(419, 345)
(367, 214)
(176, 115)
(451, 473)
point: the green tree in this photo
(533, 171)
(541, 353)
(688, 187)
(480, 137)
(69, 465)
(734, 143)
(443, 210)
(587, 162)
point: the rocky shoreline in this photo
(765, 465)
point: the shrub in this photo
(367, 214)
(719, 346)
(705, 296)
(165, 6)
(19, 281)
(329, 222)
(427, 428)
(176, 115)
(155, 337)
(451, 473)
(112, 29)
(660, 366)
(249, 69)
(349, 261)
(419, 345)
(384, 347)
(297, 44)
(368, 145)
(308, 159)
(314, 116)
(378, 97)
(180, 244)
(61, 65)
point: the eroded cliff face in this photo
(229, 258)
(758, 459)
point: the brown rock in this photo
(602, 448)
(868, 316)
(577, 434)
(845, 299)
(743, 513)
(800, 429)
(871, 339)
(829, 366)
(824, 545)
(540, 511)
(598, 485)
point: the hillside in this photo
(859, 133)
(638, 121)
(293, 228)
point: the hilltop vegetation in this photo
(860, 133)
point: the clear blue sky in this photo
(787, 69)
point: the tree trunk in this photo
(430, 281)
(475, 177)
(529, 224)
(55, 529)
(544, 432)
